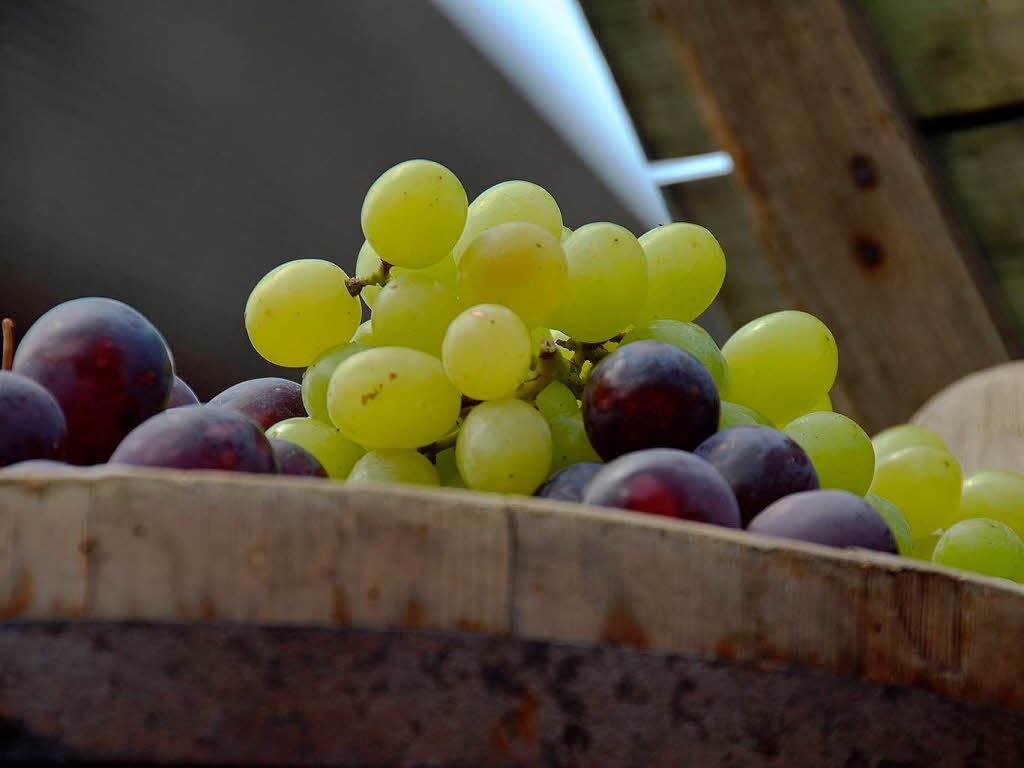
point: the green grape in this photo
(781, 363)
(607, 282)
(736, 415)
(690, 337)
(504, 446)
(518, 265)
(896, 521)
(394, 467)
(823, 403)
(685, 267)
(414, 213)
(486, 352)
(448, 469)
(565, 233)
(924, 546)
(569, 442)
(368, 262)
(413, 310)
(902, 436)
(556, 400)
(984, 546)
(332, 449)
(300, 309)
(923, 482)
(507, 202)
(995, 494)
(364, 334)
(392, 397)
(838, 448)
(318, 375)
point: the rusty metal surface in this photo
(202, 693)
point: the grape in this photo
(839, 449)
(318, 376)
(504, 446)
(197, 437)
(107, 366)
(685, 267)
(300, 309)
(569, 442)
(364, 334)
(335, 452)
(32, 424)
(486, 352)
(649, 394)
(607, 282)
(994, 494)
(555, 400)
(517, 265)
(368, 262)
(265, 401)
(293, 459)
(893, 439)
(895, 520)
(394, 467)
(823, 403)
(413, 310)
(924, 546)
(924, 482)
(690, 337)
(736, 415)
(507, 202)
(568, 483)
(392, 397)
(830, 517)
(665, 481)
(566, 232)
(181, 394)
(448, 469)
(760, 464)
(37, 467)
(780, 364)
(984, 546)
(414, 213)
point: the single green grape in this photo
(448, 470)
(486, 352)
(392, 397)
(607, 282)
(504, 446)
(518, 265)
(394, 466)
(838, 448)
(902, 436)
(685, 267)
(690, 337)
(984, 546)
(318, 375)
(924, 482)
(332, 449)
(566, 232)
(736, 415)
(364, 335)
(995, 494)
(413, 311)
(556, 400)
(414, 213)
(569, 442)
(507, 202)
(300, 309)
(896, 521)
(780, 364)
(368, 262)
(924, 546)
(823, 403)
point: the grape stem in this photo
(431, 451)
(551, 366)
(379, 276)
(8, 343)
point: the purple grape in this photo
(31, 422)
(665, 481)
(181, 394)
(198, 437)
(293, 459)
(833, 518)
(36, 467)
(265, 401)
(649, 394)
(760, 464)
(106, 365)
(567, 484)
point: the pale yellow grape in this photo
(781, 364)
(332, 449)
(518, 265)
(995, 494)
(823, 403)
(413, 310)
(896, 521)
(685, 267)
(394, 467)
(506, 202)
(607, 282)
(905, 436)
(838, 448)
(368, 262)
(448, 470)
(392, 397)
(300, 309)
(486, 352)
(736, 415)
(504, 446)
(566, 232)
(690, 337)
(318, 375)
(983, 546)
(414, 213)
(924, 482)
(364, 334)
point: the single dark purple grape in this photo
(567, 484)
(760, 464)
(198, 437)
(37, 467)
(665, 481)
(265, 401)
(181, 394)
(649, 394)
(32, 424)
(106, 365)
(293, 459)
(833, 518)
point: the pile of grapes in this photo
(507, 353)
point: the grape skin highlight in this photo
(486, 352)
